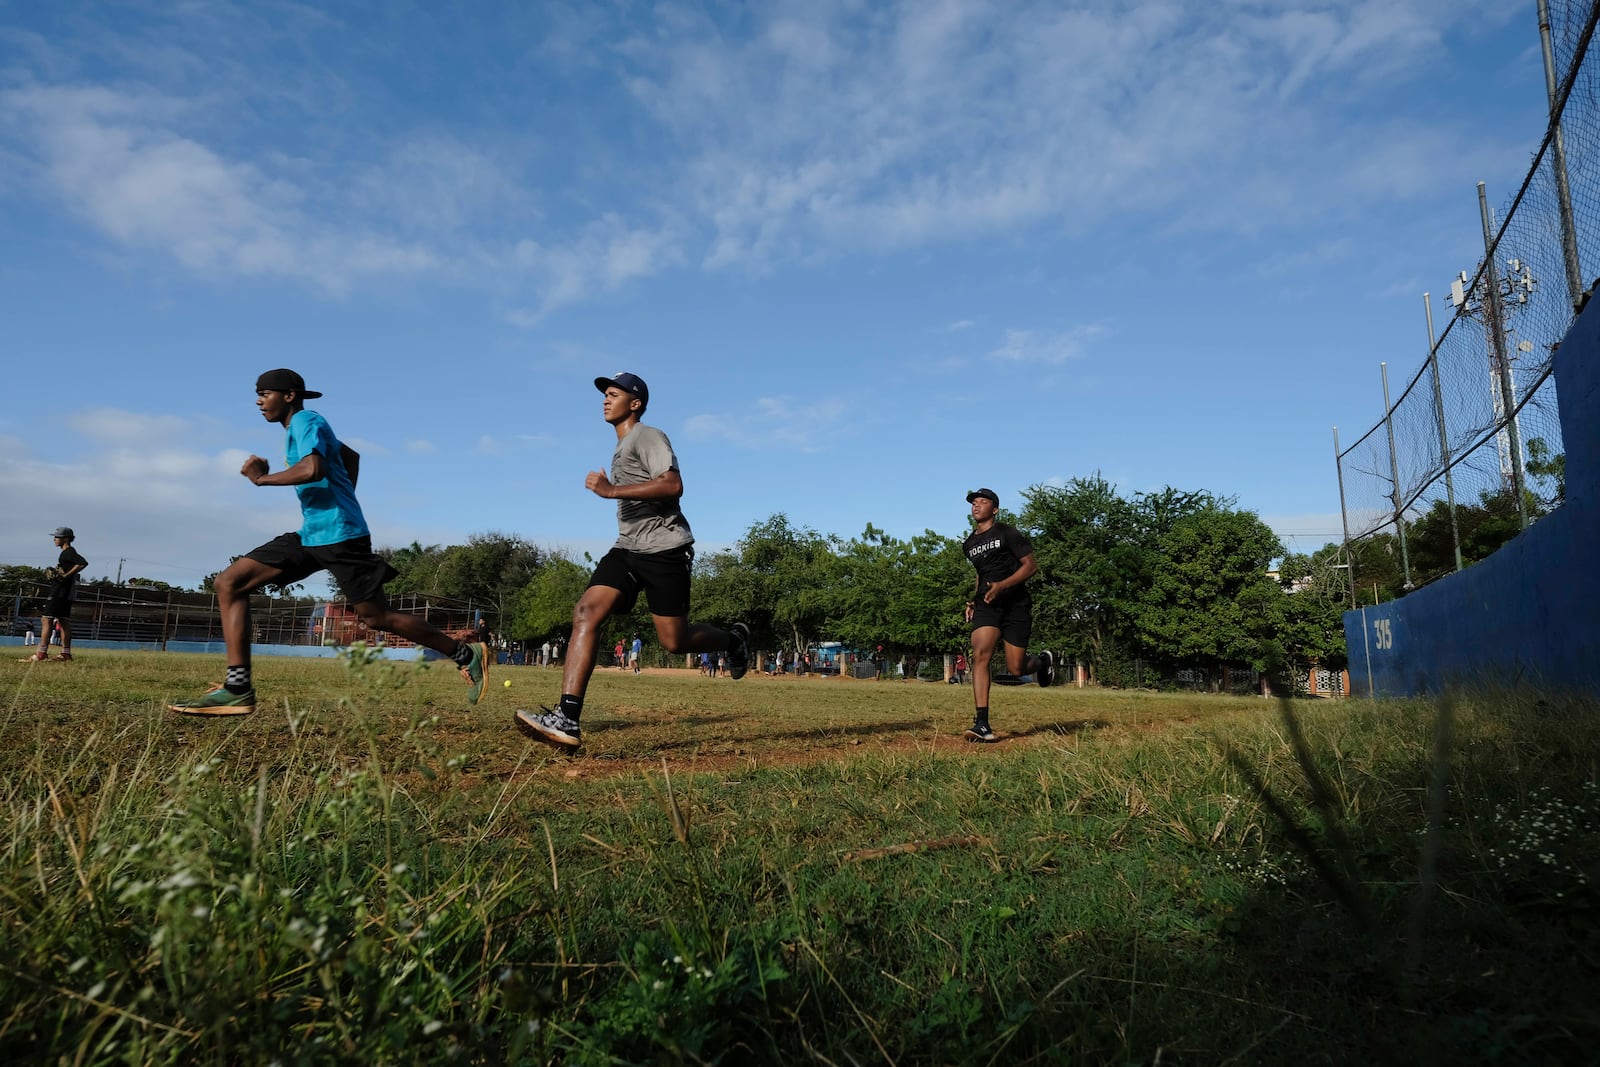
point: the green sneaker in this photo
(218, 702)
(476, 671)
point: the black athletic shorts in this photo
(664, 577)
(1012, 615)
(359, 571)
(59, 606)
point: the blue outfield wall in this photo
(1530, 613)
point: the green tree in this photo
(543, 606)
(932, 580)
(1210, 601)
(488, 571)
(1091, 550)
(418, 566)
(864, 589)
(1316, 595)
(1549, 468)
(777, 579)
(1375, 566)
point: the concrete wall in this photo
(1530, 613)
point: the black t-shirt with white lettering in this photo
(997, 553)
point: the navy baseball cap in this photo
(628, 383)
(63, 532)
(987, 494)
(284, 380)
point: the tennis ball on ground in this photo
(508, 683)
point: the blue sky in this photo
(867, 255)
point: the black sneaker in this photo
(739, 654)
(980, 732)
(1046, 674)
(551, 727)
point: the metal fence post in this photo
(1497, 341)
(1558, 163)
(1394, 471)
(1344, 518)
(1444, 441)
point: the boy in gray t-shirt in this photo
(654, 553)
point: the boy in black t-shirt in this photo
(63, 588)
(1000, 608)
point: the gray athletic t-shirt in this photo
(647, 525)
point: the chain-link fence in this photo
(158, 617)
(1470, 451)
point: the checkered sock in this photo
(463, 654)
(238, 680)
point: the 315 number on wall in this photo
(1382, 634)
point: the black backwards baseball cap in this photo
(63, 532)
(628, 383)
(987, 494)
(284, 380)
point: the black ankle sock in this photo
(981, 717)
(570, 706)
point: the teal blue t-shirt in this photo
(328, 508)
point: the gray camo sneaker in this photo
(550, 726)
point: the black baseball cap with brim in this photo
(628, 383)
(284, 380)
(987, 494)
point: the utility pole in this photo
(1489, 300)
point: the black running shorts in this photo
(664, 577)
(1012, 616)
(59, 606)
(360, 572)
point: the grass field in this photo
(781, 870)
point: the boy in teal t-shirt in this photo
(333, 537)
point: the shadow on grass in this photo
(1401, 900)
(1063, 729)
(1470, 938)
(820, 735)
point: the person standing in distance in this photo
(1001, 608)
(63, 589)
(333, 537)
(654, 553)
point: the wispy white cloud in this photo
(117, 160)
(775, 422)
(795, 133)
(1031, 346)
(151, 488)
(609, 253)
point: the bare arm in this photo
(662, 487)
(309, 469)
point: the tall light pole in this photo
(1489, 301)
